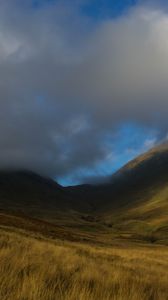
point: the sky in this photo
(83, 85)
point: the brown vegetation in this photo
(33, 269)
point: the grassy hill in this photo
(134, 203)
(137, 197)
(88, 242)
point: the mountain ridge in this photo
(134, 201)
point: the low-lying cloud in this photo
(66, 81)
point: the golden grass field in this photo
(37, 268)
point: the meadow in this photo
(38, 268)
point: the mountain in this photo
(136, 198)
(133, 203)
(34, 195)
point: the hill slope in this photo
(34, 195)
(137, 196)
(134, 201)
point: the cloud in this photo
(66, 81)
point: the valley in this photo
(88, 242)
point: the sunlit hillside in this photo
(136, 199)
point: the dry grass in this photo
(32, 269)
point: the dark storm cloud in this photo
(65, 82)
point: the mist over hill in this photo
(135, 198)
